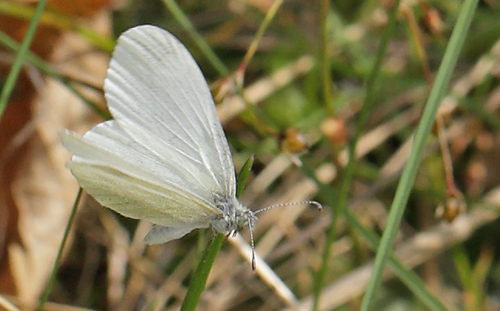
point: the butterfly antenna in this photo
(315, 203)
(253, 245)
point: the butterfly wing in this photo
(122, 175)
(159, 97)
(160, 234)
(164, 158)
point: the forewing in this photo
(159, 97)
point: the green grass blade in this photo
(200, 276)
(48, 70)
(52, 278)
(339, 205)
(408, 277)
(424, 129)
(58, 20)
(202, 44)
(21, 55)
(243, 175)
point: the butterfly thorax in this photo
(234, 215)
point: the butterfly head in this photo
(234, 216)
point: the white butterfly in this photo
(164, 157)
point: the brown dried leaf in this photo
(38, 192)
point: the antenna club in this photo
(318, 205)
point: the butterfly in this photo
(164, 157)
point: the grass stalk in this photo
(20, 57)
(423, 130)
(340, 203)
